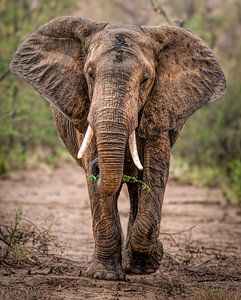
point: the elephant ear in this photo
(188, 77)
(51, 60)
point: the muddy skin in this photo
(121, 81)
(136, 262)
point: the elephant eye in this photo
(144, 79)
(90, 73)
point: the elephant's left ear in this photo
(52, 61)
(188, 76)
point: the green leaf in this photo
(93, 178)
(133, 179)
(126, 178)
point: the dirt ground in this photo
(201, 237)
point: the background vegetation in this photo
(210, 142)
(208, 151)
(26, 127)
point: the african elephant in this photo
(120, 95)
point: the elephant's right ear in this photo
(51, 59)
(188, 76)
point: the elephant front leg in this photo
(144, 251)
(106, 261)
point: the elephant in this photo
(120, 94)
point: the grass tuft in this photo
(216, 293)
(25, 241)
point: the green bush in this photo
(211, 143)
(25, 119)
(234, 176)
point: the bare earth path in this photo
(201, 237)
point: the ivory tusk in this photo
(133, 150)
(86, 141)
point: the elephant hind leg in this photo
(144, 251)
(136, 262)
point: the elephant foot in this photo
(136, 262)
(106, 271)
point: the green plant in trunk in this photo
(126, 178)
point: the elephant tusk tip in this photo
(79, 155)
(134, 152)
(139, 166)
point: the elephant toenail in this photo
(97, 275)
(122, 277)
(111, 276)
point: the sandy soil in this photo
(201, 237)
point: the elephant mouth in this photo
(95, 170)
(107, 168)
(132, 145)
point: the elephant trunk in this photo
(112, 119)
(111, 139)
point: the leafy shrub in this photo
(211, 143)
(25, 119)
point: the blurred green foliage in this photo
(210, 142)
(25, 120)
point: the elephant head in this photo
(116, 81)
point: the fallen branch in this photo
(180, 232)
(172, 238)
(203, 263)
(183, 231)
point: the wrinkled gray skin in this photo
(119, 79)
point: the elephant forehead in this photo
(121, 47)
(120, 44)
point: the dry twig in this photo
(157, 7)
(189, 230)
